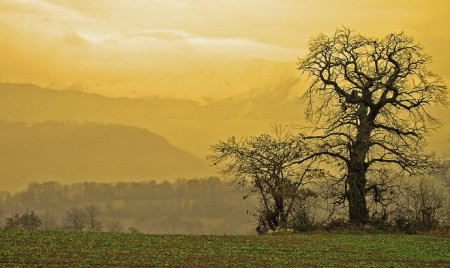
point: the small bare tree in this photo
(422, 204)
(49, 221)
(75, 219)
(268, 166)
(93, 222)
(114, 226)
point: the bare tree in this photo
(368, 100)
(93, 222)
(267, 166)
(49, 221)
(75, 219)
(422, 204)
(114, 226)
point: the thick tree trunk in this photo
(356, 196)
(356, 177)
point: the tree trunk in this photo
(356, 177)
(356, 196)
(282, 213)
(279, 211)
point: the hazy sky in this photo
(112, 44)
(197, 49)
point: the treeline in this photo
(197, 206)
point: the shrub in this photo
(23, 221)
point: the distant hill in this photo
(256, 89)
(187, 124)
(27, 102)
(70, 152)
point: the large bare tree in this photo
(368, 99)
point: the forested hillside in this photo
(73, 152)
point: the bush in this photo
(303, 221)
(23, 221)
(422, 207)
(337, 224)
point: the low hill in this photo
(69, 152)
(240, 99)
(187, 124)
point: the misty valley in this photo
(195, 206)
(52, 141)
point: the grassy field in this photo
(68, 249)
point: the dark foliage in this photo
(23, 221)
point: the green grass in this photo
(321, 249)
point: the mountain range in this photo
(72, 135)
(188, 124)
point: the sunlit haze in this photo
(124, 48)
(190, 71)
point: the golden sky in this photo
(110, 45)
(198, 49)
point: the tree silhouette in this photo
(368, 100)
(267, 165)
(75, 219)
(23, 221)
(93, 218)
